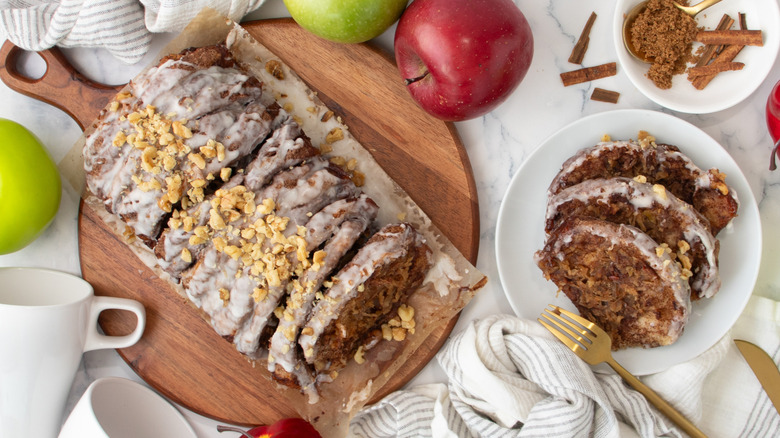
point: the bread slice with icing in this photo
(617, 278)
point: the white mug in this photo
(120, 408)
(47, 320)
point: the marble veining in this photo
(497, 145)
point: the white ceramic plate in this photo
(728, 88)
(520, 231)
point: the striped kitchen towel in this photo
(123, 27)
(509, 377)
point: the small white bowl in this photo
(728, 88)
(121, 408)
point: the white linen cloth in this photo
(123, 27)
(510, 377)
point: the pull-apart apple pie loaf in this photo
(275, 243)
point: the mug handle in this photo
(96, 340)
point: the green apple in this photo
(30, 187)
(346, 21)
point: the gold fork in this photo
(593, 345)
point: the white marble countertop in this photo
(497, 145)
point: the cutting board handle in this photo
(61, 85)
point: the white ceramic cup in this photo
(47, 320)
(120, 408)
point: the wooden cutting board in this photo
(180, 355)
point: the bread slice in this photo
(365, 294)
(662, 164)
(617, 277)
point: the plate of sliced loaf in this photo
(640, 222)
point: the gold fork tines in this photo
(593, 345)
(571, 334)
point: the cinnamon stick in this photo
(738, 37)
(714, 68)
(711, 50)
(589, 74)
(742, 21)
(603, 95)
(726, 55)
(578, 52)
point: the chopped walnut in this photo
(208, 151)
(274, 67)
(334, 135)
(387, 332)
(124, 95)
(120, 139)
(684, 261)
(197, 159)
(399, 334)
(406, 313)
(268, 206)
(358, 178)
(660, 190)
(168, 162)
(359, 356)
(128, 234)
(224, 295)
(164, 203)
(181, 130)
(148, 157)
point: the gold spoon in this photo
(636, 10)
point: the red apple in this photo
(462, 58)
(284, 428)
